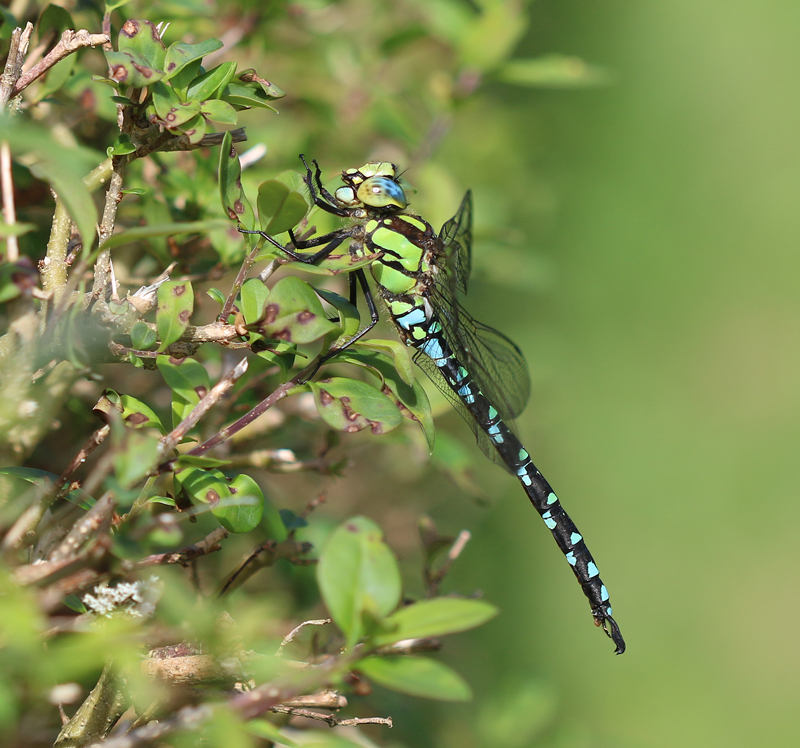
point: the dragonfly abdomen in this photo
(425, 332)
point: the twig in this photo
(54, 272)
(331, 719)
(17, 49)
(171, 440)
(436, 578)
(209, 544)
(71, 41)
(265, 555)
(102, 267)
(224, 434)
(98, 713)
(98, 517)
(237, 284)
(9, 213)
(297, 629)
(321, 700)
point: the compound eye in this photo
(382, 192)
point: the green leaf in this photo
(206, 486)
(217, 296)
(552, 71)
(350, 405)
(187, 460)
(357, 573)
(209, 83)
(189, 382)
(263, 729)
(129, 69)
(399, 352)
(234, 202)
(279, 207)
(247, 95)
(121, 146)
(165, 500)
(429, 618)
(172, 111)
(142, 336)
(243, 511)
(135, 414)
(175, 306)
(418, 676)
(219, 111)
(280, 354)
(253, 298)
(114, 4)
(412, 401)
(294, 313)
(349, 318)
(194, 129)
(17, 229)
(270, 89)
(141, 38)
(179, 54)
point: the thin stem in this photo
(71, 41)
(9, 213)
(241, 276)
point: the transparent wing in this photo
(493, 361)
(455, 241)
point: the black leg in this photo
(321, 197)
(334, 239)
(373, 314)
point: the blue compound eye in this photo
(382, 192)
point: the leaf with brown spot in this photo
(141, 38)
(234, 202)
(410, 399)
(295, 313)
(135, 414)
(350, 405)
(175, 306)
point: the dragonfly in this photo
(419, 275)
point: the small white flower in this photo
(133, 599)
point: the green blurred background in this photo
(665, 361)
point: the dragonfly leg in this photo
(334, 239)
(373, 315)
(321, 197)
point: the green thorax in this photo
(408, 245)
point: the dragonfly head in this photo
(375, 185)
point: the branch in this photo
(71, 41)
(331, 719)
(209, 544)
(297, 629)
(171, 440)
(17, 49)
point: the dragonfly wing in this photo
(493, 361)
(455, 240)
